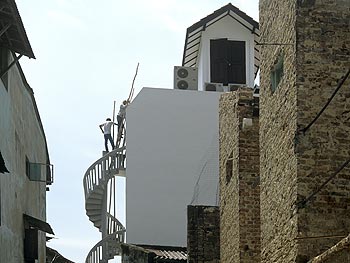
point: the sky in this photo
(86, 55)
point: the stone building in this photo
(203, 234)
(305, 54)
(304, 127)
(27, 173)
(239, 177)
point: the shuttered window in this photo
(227, 61)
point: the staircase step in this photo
(98, 224)
(98, 190)
(96, 196)
(89, 206)
(93, 201)
(93, 212)
(95, 218)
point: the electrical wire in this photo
(303, 203)
(340, 84)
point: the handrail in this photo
(96, 180)
(113, 224)
(96, 253)
(94, 175)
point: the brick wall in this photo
(315, 40)
(203, 234)
(239, 179)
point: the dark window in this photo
(229, 168)
(277, 74)
(30, 245)
(227, 61)
(27, 167)
(4, 59)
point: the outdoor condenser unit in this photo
(185, 78)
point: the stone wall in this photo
(339, 253)
(203, 234)
(323, 58)
(135, 254)
(239, 179)
(313, 38)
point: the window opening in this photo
(227, 61)
(229, 168)
(277, 73)
(39, 172)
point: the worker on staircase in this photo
(120, 117)
(106, 130)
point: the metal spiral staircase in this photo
(100, 203)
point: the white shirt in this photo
(122, 110)
(107, 127)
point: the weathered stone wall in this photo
(203, 234)
(323, 57)
(339, 253)
(313, 38)
(239, 179)
(135, 254)
(278, 114)
(229, 202)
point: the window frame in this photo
(229, 168)
(277, 73)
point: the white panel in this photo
(169, 133)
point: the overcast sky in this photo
(86, 55)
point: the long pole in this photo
(113, 119)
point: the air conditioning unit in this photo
(232, 87)
(185, 78)
(208, 86)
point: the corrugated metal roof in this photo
(167, 253)
(14, 36)
(194, 33)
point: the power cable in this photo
(340, 84)
(196, 190)
(303, 203)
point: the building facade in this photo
(223, 46)
(24, 151)
(239, 177)
(305, 192)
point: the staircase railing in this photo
(98, 178)
(103, 169)
(110, 244)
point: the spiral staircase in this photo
(100, 203)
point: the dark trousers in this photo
(120, 122)
(108, 137)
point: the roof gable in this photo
(194, 33)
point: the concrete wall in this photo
(203, 234)
(21, 136)
(239, 179)
(232, 30)
(168, 133)
(316, 36)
